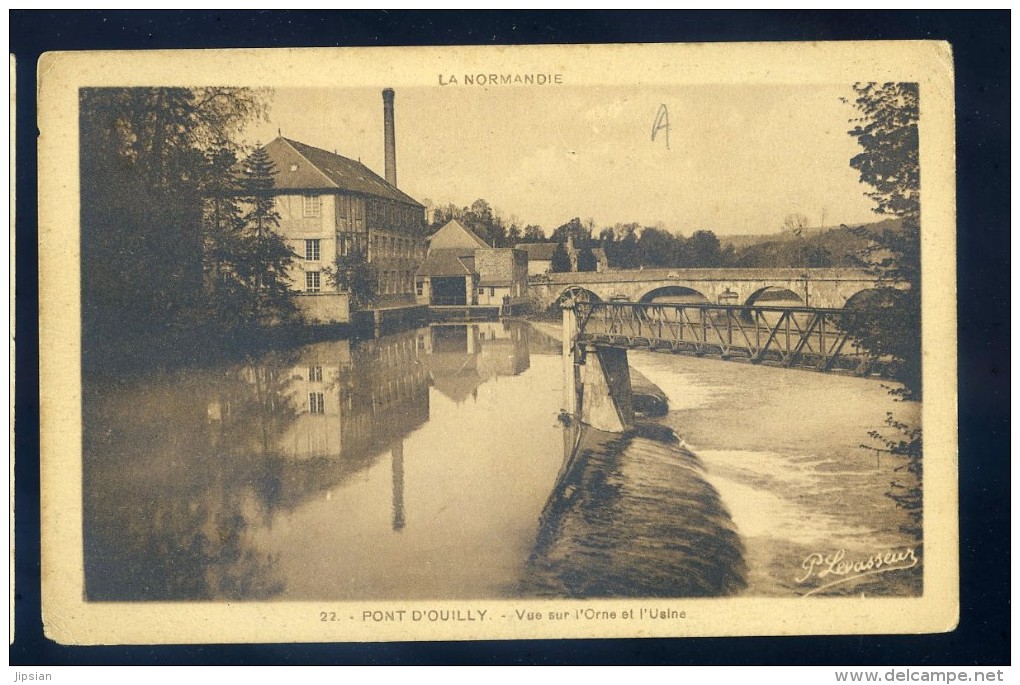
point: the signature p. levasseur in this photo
(836, 566)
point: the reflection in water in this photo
(194, 481)
(633, 516)
(397, 458)
(415, 466)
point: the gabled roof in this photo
(457, 386)
(455, 235)
(538, 251)
(303, 167)
(447, 263)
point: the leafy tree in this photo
(658, 248)
(814, 257)
(148, 157)
(442, 215)
(560, 262)
(513, 234)
(703, 250)
(621, 246)
(580, 233)
(891, 324)
(481, 218)
(887, 134)
(534, 234)
(353, 274)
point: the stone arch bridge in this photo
(819, 288)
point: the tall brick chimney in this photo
(391, 143)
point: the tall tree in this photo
(264, 257)
(586, 259)
(560, 262)
(890, 324)
(147, 157)
(887, 133)
(622, 252)
(224, 301)
(513, 234)
(481, 219)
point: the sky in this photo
(740, 159)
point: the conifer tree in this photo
(263, 257)
(560, 262)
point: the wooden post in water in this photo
(606, 394)
(596, 380)
(568, 333)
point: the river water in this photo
(432, 464)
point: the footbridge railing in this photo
(803, 337)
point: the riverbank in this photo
(785, 449)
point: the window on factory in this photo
(312, 206)
(359, 214)
(312, 250)
(315, 373)
(311, 281)
(316, 403)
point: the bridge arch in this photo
(576, 293)
(675, 294)
(774, 296)
(870, 297)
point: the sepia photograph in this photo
(463, 343)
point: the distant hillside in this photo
(814, 247)
(741, 241)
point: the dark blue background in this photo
(981, 43)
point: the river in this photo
(430, 464)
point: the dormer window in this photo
(312, 206)
(293, 167)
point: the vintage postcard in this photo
(345, 345)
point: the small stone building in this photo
(460, 269)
